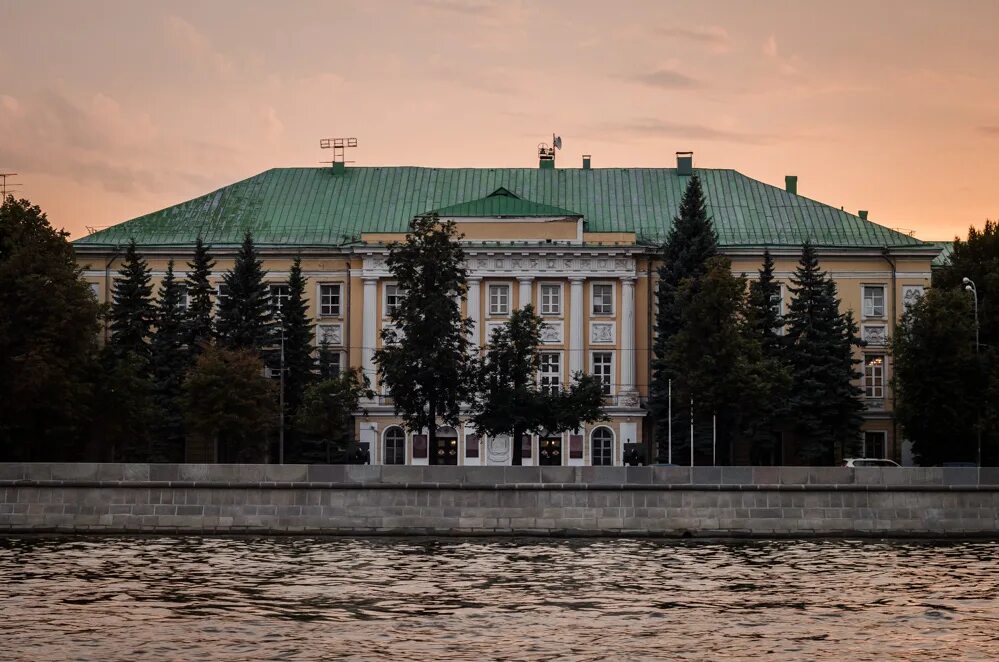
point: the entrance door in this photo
(446, 448)
(550, 451)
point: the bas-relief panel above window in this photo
(602, 333)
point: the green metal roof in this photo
(315, 207)
(946, 250)
(502, 203)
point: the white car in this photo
(869, 462)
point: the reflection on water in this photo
(300, 598)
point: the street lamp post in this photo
(969, 285)
(281, 398)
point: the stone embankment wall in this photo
(606, 501)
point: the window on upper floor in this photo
(278, 295)
(329, 300)
(184, 300)
(551, 372)
(874, 376)
(551, 299)
(874, 300)
(393, 298)
(603, 299)
(603, 368)
(499, 299)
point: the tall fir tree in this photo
(824, 405)
(426, 361)
(169, 362)
(48, 339)
(245, 319)
(765, 323)
(132, 310)
(198, 327)
(691, 242)
(299, 363)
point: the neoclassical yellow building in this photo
(577, 243)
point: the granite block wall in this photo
(398, 500)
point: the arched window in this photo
(602, 446)
(395, 446)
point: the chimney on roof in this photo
(685, 163)
(791, 184)
(862, 214)
(586, 161)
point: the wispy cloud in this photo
(787, 65)
(183, 36)
(652, 127)
(668, 79)
(711, 35)
(989, 129)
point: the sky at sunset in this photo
(109, 110)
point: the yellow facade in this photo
(598, 293)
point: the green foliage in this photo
(169, 362)
(128, 411)
(132, 311)
(508, 398)
(294, 322)
(229, 404)
(244, 314)
(426, 361)
(977, 258)
(715, 359)
(937, 382)
(199, 324)
(691, 242)
(48, 327)
(824, 403)
(326, 418)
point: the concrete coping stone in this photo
(579, 486)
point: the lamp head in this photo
(965, 280)
(969, 288)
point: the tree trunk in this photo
(432, 432)
(517, 459)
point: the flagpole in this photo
(714, 439)
(692, 430)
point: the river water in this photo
(124, 598)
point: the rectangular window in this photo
(329, 300)
(874, 376)
(874, 300)
(603, 299)
(393, 297)
(874, 444)
(551, 299)
(333, 363)
(95, 289)
(551, 372)
(222, 293)
(499, 299)
(603, 368)
(184, 300)
(279, 294)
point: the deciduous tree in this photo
(326, 418)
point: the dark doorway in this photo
(446, 449)
(550, 451)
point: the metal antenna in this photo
(338, 145)
(4, 185)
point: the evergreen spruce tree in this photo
(132, 310)
(48, 339)
(824, 404)
(299, 363)
(765, 323)
(169, 363)
(199, 324)
(691, 242)
(426, 362)
(245, 320)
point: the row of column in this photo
(577, 326)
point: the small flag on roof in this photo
(556, 141)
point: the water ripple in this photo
(512, 599)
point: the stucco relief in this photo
(602, 332)
(330, 334)
(551, 332)
(875, 334)
(911, 294)
(498, 450)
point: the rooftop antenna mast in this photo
(4, 186)
(338, 145)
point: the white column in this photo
(369, 324)
(474, 307)
(627, 358)
(525, 290)
(576, 326)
